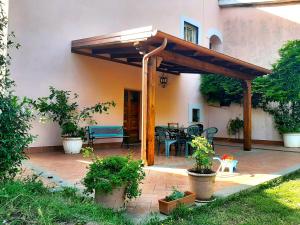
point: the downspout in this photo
(144, 95)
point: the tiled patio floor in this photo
(254, 167)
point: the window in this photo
(196, 116)
(195, 113)
(215, 43)
(191, 32)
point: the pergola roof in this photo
(179, 56)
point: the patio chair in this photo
(173, 125)
(192, 131)
(209, 133)
(163, 137)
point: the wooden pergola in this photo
(153, 51)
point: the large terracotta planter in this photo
(72, 145)
(166, 207)
(114, 200)
(291, 140)
(202, 184)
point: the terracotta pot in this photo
(202, 185)
(166, 207)
(72, 145)
(114, 200)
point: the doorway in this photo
(132, 115)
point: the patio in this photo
(255, 167)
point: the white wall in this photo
(262, 123)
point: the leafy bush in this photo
(234, 126)
(112, 172)
(220, 89)
(281, 89)
(61, 107)
(15, 113)
(203, 155)
(176, 194)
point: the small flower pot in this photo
(114, 200)
(202, 184)
(72, 145)
(166, 207)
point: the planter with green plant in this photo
(280, 93)
(170, 202)
(234, 127)
(62, 107)
(202, 177)
(114, 179)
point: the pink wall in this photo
(255, 34)
(45, 30)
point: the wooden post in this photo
(151, 86)
(247, 115)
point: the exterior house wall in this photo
(45, 30)
(255, 34)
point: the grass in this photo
(277, 202)
(29, 202)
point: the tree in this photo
(15, 113)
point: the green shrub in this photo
(281, 89)
(112, 172)
(62, 107)
(203, 155)
(234, 126)
(220, 89)
(15, 113)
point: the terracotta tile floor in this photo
(254, 167)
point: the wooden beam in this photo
(80, 52)
(204, 66)
(247, 115)
(151, 86)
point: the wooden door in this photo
(132, 115)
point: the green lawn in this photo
(31, 203)
(277, 202)
(28, 202)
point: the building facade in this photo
(45, 30)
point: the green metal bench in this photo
(106, 132)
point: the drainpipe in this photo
(144, 95)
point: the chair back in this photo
(173, 125)
(161, 133)
(200, 127)
(209, 133)
(193, 130)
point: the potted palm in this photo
(114, 179)
(61, 107)
(202, 177)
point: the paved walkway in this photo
(255, 167)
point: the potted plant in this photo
(279, 93)
(201, 177)
(234, 127)
(170, 202)
(61, 107)
(287, 120)
(114, 180)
